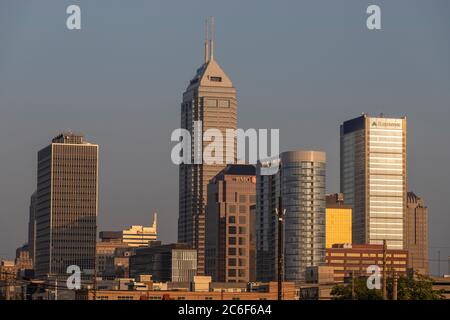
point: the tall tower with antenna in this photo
(210, 98)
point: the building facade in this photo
(140, 236)
(209, 102)
(172, 262)
(32, 226)
(338, 220)
(270, 292)
(109, 264)
(373, 178)
(417, 233)
(23, 259)
(267, 198)
(300, 184)
(347, 260)
(66, 206)
(230, 225)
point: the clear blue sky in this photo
(301, 66)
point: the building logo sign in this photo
(387, 124)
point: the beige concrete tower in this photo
(66, 206)
(210, 98)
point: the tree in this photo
(415, 287)
(344, 291)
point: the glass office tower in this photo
(300, 182)
(373, 178)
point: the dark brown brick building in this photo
(356, 258)
(230, 226)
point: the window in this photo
(242, 220)
(224, 103)
(232, 230)
(242, 209)
(211, 103)
(232, 251)
(232, 240)
(242, 198)
(216, 79)
(232, 219)
(232, 208)
(232, 262)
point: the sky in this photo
(301, 66)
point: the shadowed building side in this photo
(417, 233)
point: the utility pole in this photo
(353, 285)
(395, 286)
(439, 263)
(280, 212)
(384, 271)
(448, 268)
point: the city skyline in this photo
(245, 69)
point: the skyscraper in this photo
(66, 205)
(373, 178)
(230, 225)
(32, 227)
(417, 233)
(267, 199)
(210, 98)
(300, 183)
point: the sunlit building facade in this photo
(338, 220)
(66, 206)
(209, 102)
(141, 236)
(373, 178)
(230, 225)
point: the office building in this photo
(171, 262)
(300, 184)
(23, 259)
(134, 236)
(66, 206)
(210, 98)
(338, 220)
(32, 226)
(348, 259)
(373, 178)
(417, 233)
(112, 259)
(206, 290)
(140, 236)
(230, 225)
(267, 197)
